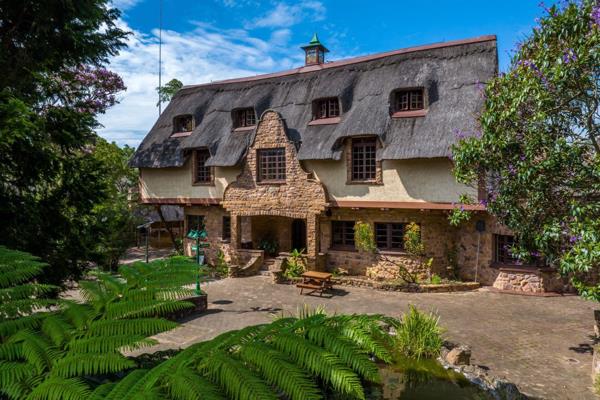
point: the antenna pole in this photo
(159, 56)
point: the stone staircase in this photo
(270, 265)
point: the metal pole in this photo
(160, 56)
(147, 234)
(477, 256)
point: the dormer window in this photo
(183, 124)
(326, 108)
(244, 118)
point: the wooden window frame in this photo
(501, 253)
(226, 228)
(363, 161)
(178, 130)
(410, 99)
(388, 230)
(206, 177)
(271, 165)
(244, 118)
(326, 108)
(347, 239)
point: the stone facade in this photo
(299, 196)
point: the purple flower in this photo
(483, 202)
(511, 169)
(574, 239)
(569, 56)
(595, 15)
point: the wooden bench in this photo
(315, 282)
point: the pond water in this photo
(411, 379)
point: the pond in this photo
(410, 379)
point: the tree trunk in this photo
(171, 234)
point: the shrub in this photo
(435, 279)
(270, 246)
(295, 264)
(364, 238)
(419, 335)
(221, 267)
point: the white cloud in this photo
(124, 5)
(285, 15)
(201, 55)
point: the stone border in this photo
(457, 358)
(390, 286)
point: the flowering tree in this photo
(539, 146)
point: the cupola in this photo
(315, 51)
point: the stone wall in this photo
(437, 235)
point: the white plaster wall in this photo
(403, 180)
(177, 182)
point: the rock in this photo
(460, 355)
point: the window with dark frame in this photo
(202, 172)
(244, 118)
(271, 164)
(342, 234)
(183, 123)
(194, 222)
(389, 236)
(226, 234)
(409, 100)
(364, 161)
(502, 249)
(327, 108)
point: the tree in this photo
(539, 143)
(51, 88)
(166, 92)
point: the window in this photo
(226, 235)
(326, 108)
(202, 172)
(183, 123)
(271, 164)
(408, 100)
(502, 247)
(389, 236)
(342, 234)
(244, 117)
(364, 163)
(195, 222)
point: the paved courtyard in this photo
(543, 344)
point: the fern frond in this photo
(11, 351)
(11, 372)
(133, 386)
(279, 370)
(148, 308)
(55, 327)
(324, 364)
(187, 385)
(109, 344)
(365, 332)
(60, 388)
(28, 322)
(36, 349)
(102, 391)
(26, 291)
(77, 314)
(237, 381)
(140, 326)
(81, 364)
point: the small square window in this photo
(409, 100)
(271, 165)
(183, 123)
(502, 249)
(244, 118)
(364, 160)
(326, 108)
(202, 172)
(389, 236)
(342, 234)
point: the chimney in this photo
(315, 51)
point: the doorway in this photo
(299, 234)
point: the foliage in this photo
(166, 92)
(52, 87)
(293, 358)
(419, 335)
(221, 267)
(451, 252)
(364, 238)
(539, 148)
(459, 213)
(295, 264)
(412, 240)
(59, 349)
(269, 245)
(435, 279)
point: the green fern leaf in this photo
(59, 388)
(186, 385)
(140, 326)
(81, 364)
(109, 344)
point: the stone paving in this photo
(543, 344)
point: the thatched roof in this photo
(450, 72)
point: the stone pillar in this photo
(236, 232)
(312, 235)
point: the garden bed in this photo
(395, 286)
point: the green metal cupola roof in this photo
(315, 42)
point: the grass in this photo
(419, 335)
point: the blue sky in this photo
(206, 40)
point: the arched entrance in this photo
(299, 234)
